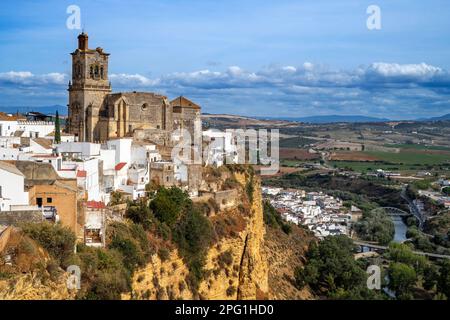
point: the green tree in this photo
(402, 278)
(446, 191)
(168, 204)
(399, 252)
(57, 129)
(140, 213)
(375, 226)
(331, 268)
(443, 283)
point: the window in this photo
(101, 72)
(91, 73)
(1, 192)
(49, 200)
(39, 202)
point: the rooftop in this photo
(119, 166)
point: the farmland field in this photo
(297, 154)
(371, 166)
(417, 147)
(412, 157)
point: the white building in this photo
(14, 125)
(88, 179)
(78, 150)
(11, 187)
(123, 149)
(221, 147)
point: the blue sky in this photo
(250, 57)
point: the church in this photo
(97, 115)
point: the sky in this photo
(284, 58)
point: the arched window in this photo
(96, 72)
(101, 72)
(92, 72)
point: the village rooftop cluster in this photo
(323, 214)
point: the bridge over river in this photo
(384, 248)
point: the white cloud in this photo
(419, 72)
(308, 66)
(28, 78)
(124, 79)
(287, 89)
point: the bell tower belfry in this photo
(87, 89)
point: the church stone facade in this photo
(96, 114)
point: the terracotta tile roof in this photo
(119, 166)
(81, 174)
(95, 204)
(6, 117)
(45, 143)
(44, 156)
(7, 166)
(63, 134)
(184, 103)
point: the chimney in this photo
(83, 41)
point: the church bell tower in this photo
(87, 89)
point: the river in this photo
(400, 229)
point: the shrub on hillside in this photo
(168, 204)
(193, 235)
(103, 273)
(131, 241)
(59, 241)
(140, 213)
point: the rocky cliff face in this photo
(235, 266)
(28, 273)
(35, 286)
(246, 261)
(286, 252)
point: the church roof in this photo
(136, 97)
(184, 103)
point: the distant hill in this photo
(333, 119)
(62, 110)
(441, 118)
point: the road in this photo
(413, 208)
